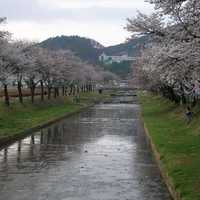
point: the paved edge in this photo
(170, 186)
(10, 140)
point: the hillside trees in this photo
(170, 65)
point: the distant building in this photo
(114, 59)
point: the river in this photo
(99, 154)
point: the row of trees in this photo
(28, 65)
(170, 63)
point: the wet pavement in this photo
(99, 154)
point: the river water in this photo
(99, 154)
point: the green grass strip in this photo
(177, 142)
(18, 118)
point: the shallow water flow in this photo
(99, 154)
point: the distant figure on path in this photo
(188, 114)
(100, 91)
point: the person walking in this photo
(188, 114)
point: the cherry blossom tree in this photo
(171, 63)
(18, 62)
(5, 69)
(5, 76)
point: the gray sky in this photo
(102, 20)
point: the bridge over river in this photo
(99, 154)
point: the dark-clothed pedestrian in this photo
(188, 114)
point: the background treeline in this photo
(89, 50)
(52, 72)
(123, 69)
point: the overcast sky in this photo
(102, 20)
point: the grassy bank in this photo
(177, 142)
(18, 118)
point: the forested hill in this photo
(86, 49)
(131, 47)
(89, 50)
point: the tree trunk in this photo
(194, 102)
(42, 90)
(7, 100)
(55, 93)
(49, 92)
(63, 90)
(32, 93)
(58, 91)
(71, 89)
(94, 87)
(90, 85)
(66, 91)
(183, 99)
(74, 91)
(19, 87)
(78, 90)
